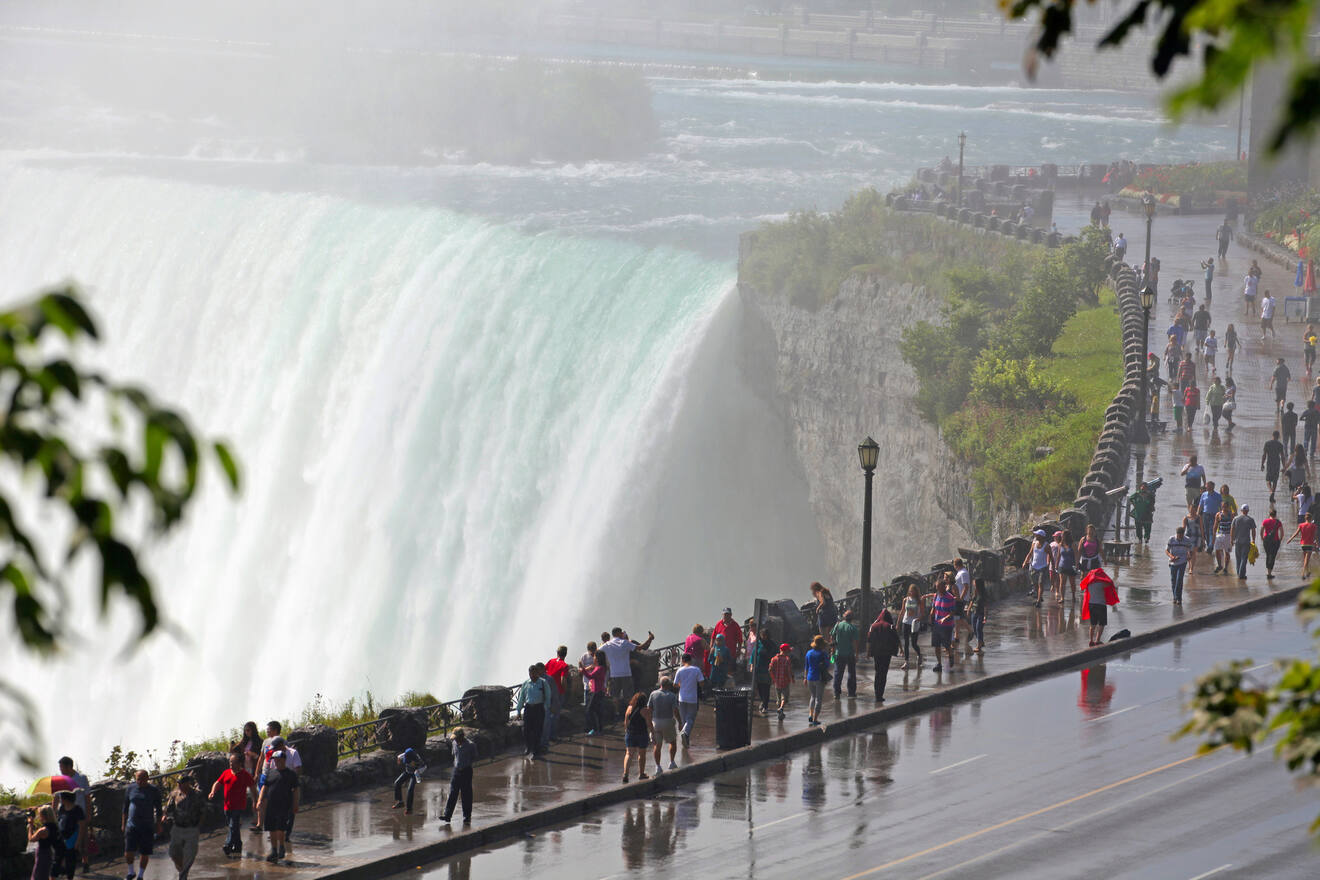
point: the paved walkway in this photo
(356, 829)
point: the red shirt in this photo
(595, 676)
(1271, 528)
(236, 787)
(733, 637)
(558, 671)
(1307, 532)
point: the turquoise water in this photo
(483, 409)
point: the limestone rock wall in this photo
(839, 376)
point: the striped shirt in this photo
(942, 608)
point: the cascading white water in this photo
(462, 444)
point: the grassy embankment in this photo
(120, 764)
(1026, 352)
(1291, 220)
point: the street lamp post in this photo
(868, 452)
(962, 142)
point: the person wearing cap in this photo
(1244, 535)
(662, 711)
(412, 766)
(275, 743)
(882, 647)
(142, 821)
(732, 632)
(234, 784)
(184, 811)
(278, 802)
(80, 786)
(781, 675)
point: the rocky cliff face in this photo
(838, 376)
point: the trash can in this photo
(731, 709)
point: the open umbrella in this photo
(51, 784)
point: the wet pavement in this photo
(357, 829)
(1093, 787)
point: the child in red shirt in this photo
(781, 674)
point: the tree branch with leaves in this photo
(1231, 37)
(92, 452)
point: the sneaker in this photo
(625, 779)
(781, 711)
(591, 733)
(687, 740)
(673, 765)
(398, 805)
(225, 849)
(407, 812)
(444, 819)
(938, 667)
(273, 858)
(130, 876)
(659, 769)
(281, 852)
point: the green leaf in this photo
(227, 463)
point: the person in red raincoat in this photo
(1098, 593)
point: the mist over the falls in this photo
(486, 367)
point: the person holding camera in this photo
(44, 832)
(464, 752)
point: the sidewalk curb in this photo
(779, 746)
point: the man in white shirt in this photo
(1266, 315)
(619, 686)
(687, 678)
(275, 743)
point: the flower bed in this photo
(1292, 221)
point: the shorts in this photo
(1221, 541)
(941, 635)
(1067, 571)
(1038, 575)
(960, 608)
(1271, 475)
(666, 733)
(1099, 614)
(276, 820)
(1308, 548)
(636, 740)
(139, 840)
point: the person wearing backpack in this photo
(72, 823)
(882, 647)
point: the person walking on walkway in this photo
(533, 697)
(636, 735)
(1308, 348)
(184, 811)
(1090, 551)
(1232, 342)
(1200, 326)
(1038, 561)
(1186, 375)
(696, 645)
(1271, 462)
(1267, 303)
(688, 679)
(1223, 236)
(978, 610)
(1249, 294)
(662, 711)
(1310, 419)
(1179, 550)
(815, 666)
(762, 652)
(410, 766)
(1208, 265)
(279, 802)
(1223, 539)
(1271, 537)
(882, 647)
(1066, 567)
(826, 613)
(1098, 593)
(1191, 403)
(844, 637)
(1306, 531)
(1244, 536)
(1211, 349)
(1299, 472)
(1214, 398)
(1279, 382)
(941, 615)
(1193, 479)
(781, 674)
(1191, 530)
(464, 752)
(1208, 506)
(143, 819)
(914, 611)
(233, 786)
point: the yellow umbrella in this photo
(51, 784)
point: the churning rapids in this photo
(483, 410)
